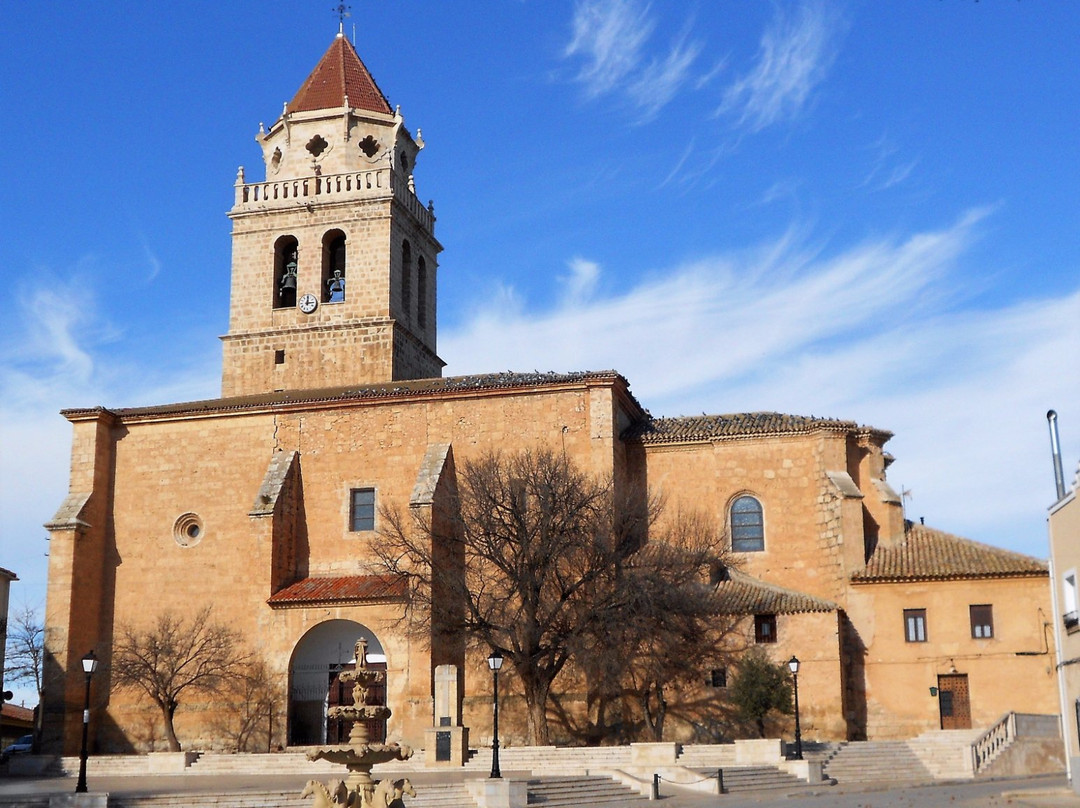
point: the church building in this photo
(263, 504)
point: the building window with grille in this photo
(982, 622)
(718, 677)
(747, 525)
(764, 628)
(915, 625)
(362, 509)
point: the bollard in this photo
(655, 787)
(720, 781)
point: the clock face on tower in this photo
(308, 303)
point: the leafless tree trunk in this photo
(534, 535)
(176, 656)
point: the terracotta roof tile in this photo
(19, 714)
(742, 594)
(339, 75)
(385, 390)
(347, 588)
(927, 554)
(712, 427)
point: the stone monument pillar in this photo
(447, 743)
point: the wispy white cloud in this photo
(886, 171)
(151, 259)
(794, 56)
(62, 351)
(869, 334)
(610, 38)
(580, 284)
(609, 35)
(661, 80)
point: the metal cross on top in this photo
(342, 11)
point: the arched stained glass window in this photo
(747, 525)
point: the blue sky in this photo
(861, 210)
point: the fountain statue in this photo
(358, 790)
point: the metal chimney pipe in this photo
(1055, 448)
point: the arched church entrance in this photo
(318, 660)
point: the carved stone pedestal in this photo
(446, 746)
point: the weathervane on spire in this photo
(342, 11)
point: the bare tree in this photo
(532, 535)
(25, 649)
(177, 655)
(660, 627)
(542, 560)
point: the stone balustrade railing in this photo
(994, 739)
(371, 183)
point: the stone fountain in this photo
(359, 790)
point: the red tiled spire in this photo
(339, 74)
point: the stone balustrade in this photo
(373, 183)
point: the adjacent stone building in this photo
(263, 503)
(1064, 527)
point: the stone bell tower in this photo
(334, 257)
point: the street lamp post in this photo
(495, 662)
(793, 666)
(89, 665)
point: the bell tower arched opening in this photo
(333, 267)
(285, 266)
(314, 684)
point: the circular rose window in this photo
(188, 529)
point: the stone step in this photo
(753, 778)
(574, 791)
(868, 761)
(245, 799)
(442, 795)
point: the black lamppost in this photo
(89, 665)
(793, 666)
(495, 662)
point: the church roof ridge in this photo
(928, 554)
(340, 74)
(744, 594)
(508, 380)
(691, 428)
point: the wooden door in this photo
(954, 701)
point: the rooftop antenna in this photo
(1055, 451)
(342, 11)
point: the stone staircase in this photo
(241, 799)
(932, 756)
(23, 801)
(876, 761)
(577, 791)
(707, 756)
(758, 778)
(552, 759)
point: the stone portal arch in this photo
(319, 656)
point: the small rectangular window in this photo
(915, 625)
(279, 357)
(362, 509)
(764, 628)
(982, 621)
(718, 677)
